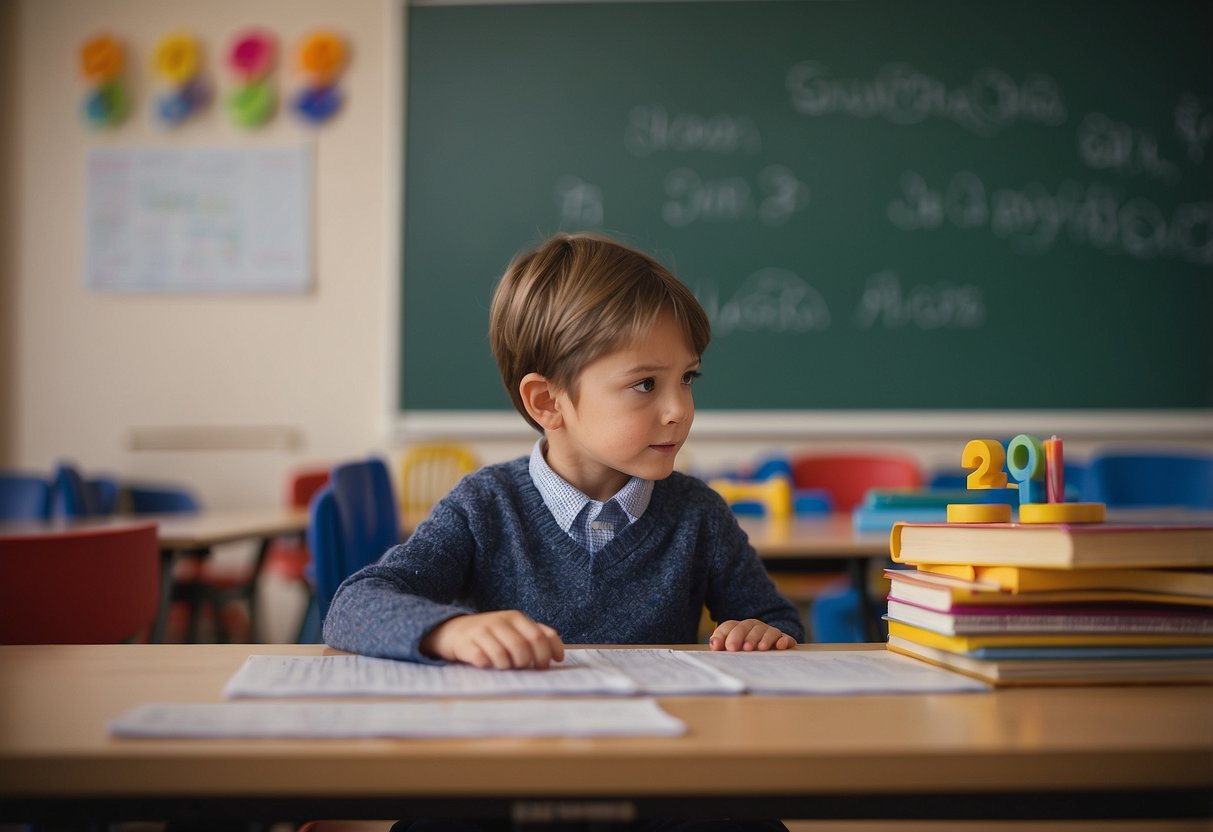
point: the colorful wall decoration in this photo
(102, 60)
(251, 58)
(177, 62)
(177, 65)
(321, 59)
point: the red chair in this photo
(79, 586)
(847, 477)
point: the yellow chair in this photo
(427, 473)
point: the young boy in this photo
(593, 538)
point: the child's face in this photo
(633, 413)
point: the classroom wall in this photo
(235, 390)
(89, 376)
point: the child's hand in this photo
(504, 640)
(750, 634)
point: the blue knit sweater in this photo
(492, 544)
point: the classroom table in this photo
(185, 534)
(1079, 752)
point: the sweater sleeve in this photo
(387, 608)
(739, 586)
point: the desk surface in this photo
(832, 536)
(55, 702)
(187, 530)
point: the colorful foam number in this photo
(102, 60)
(984, 459)
(321, 59)
(1026, 463)
(251, 58)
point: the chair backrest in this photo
(847, 477)
(101, 494)
(69, 494)
(352, 521)
(1150, 478)
(428, 472)
(324, 542)
(145, 498)
(303, 484)
(79, 586)
(24, 497)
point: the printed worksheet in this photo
(343, 675)
(658, 671)
(836, 672)
(457, 718)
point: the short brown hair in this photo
(576, 298)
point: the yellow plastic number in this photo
(984, 458)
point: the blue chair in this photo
(1142, 478)
(141, 498)
(328, 557)
(24, 497)
(352, 521)
(69, 494)
(102, 494)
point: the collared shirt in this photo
(591, 523)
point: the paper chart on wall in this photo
(173, 220)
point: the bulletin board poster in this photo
(216, 220)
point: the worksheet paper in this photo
(837, 672)
(347, 675)
(593, 672)
(461, 718)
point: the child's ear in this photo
(539, 399)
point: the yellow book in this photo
(1027, 579)
(967, 644)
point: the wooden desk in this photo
(1121, 752)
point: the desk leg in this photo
(858, 568)
(160, 625)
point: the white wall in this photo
(84, 374)
(90, 370)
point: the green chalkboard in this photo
(928, 205)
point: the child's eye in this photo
(645, 386)
(689, 378)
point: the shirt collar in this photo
(566, 502)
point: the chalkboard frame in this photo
(1185, 423)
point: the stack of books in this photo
(1063, 604)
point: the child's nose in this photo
(678, 407)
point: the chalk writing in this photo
(580, 203)
(768, 300)
(731, 199)
(1105, 144)
(1033, 218)
(1194, 125)
(990, 102)
(653, 130)
(928, 307)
